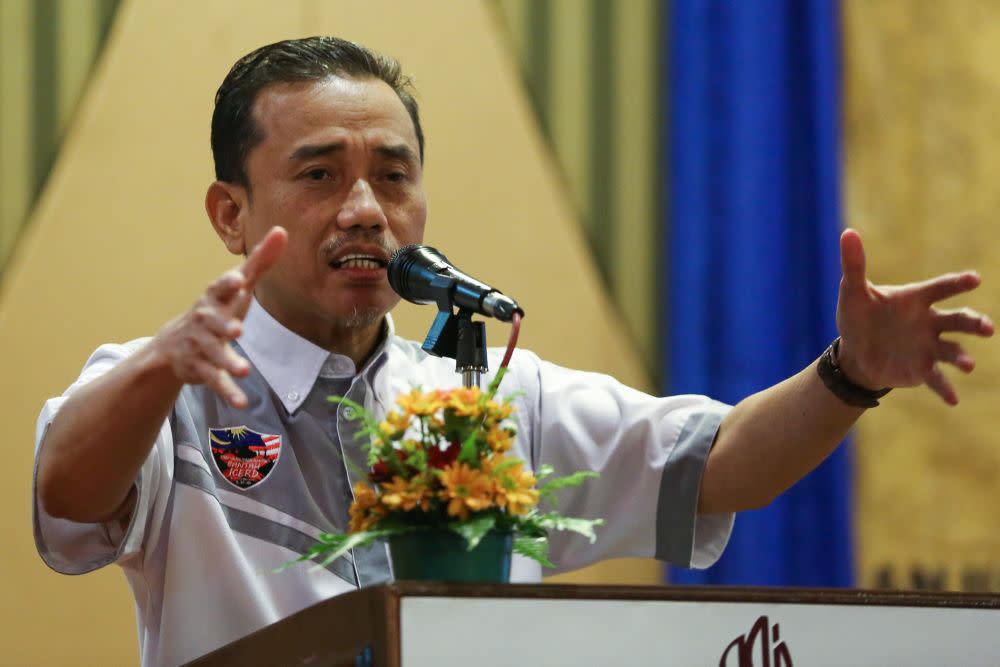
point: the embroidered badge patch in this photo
(244, 456)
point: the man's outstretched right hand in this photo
(196, 344)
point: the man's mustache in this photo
(376, 238)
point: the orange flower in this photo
(420, 404)
(406, 494)
(465, 489)
(464, 401)
(365, 510)
(515, 489)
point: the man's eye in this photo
(317, 174)
(395, 176)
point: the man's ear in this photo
(226, 205)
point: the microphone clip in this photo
(457, 337)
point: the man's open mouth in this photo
(358, 262)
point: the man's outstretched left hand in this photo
(891, 334)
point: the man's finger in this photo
(221, 355)
(951, 352)
(964, 320)
(225, 286)
(940, 385)
(217, 323)
(221, 383)
(852, 258)
(264, 255)
(948, 285)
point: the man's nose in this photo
(361, 208)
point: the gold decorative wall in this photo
(47, 49)
(922, 126)
(592, 68)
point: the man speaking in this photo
(319, 163)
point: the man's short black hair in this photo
(234, 130)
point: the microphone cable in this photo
(515, 329)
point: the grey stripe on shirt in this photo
(195, 476)
(677, 505)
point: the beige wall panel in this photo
(923, 162)
(119, 242)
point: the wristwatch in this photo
(835, 380)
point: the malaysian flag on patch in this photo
(244, 456)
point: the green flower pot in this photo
(441, 555)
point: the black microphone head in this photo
(405, 265)
(421, 274)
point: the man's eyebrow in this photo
(398, 152)
(310, 151)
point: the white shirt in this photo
(200, 550)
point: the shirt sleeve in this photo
(650, 453)
(70, 547)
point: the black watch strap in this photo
(840, 386)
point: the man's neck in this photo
(358, 342)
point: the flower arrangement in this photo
(441, 461)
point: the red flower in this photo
(442, 458)
(381, 472)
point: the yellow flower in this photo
(395, 424)
(465, 489)
(365, 510)
(499, 439)
(420, 404)
(464, 401)
(499, 411)
(515, 488)
(406, 494)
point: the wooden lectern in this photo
(409, 624)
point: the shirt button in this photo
(292, 396)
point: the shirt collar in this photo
(291, 364)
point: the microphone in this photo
(421, 274)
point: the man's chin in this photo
(362, 318)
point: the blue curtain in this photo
(751, 259)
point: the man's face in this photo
(339, 168)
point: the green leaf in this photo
(544, 471)
(509, 398)
(368, 432)
(313, 551)
(358, 411)
(332, 546)
(474, 530)
(585, 527)
(358, 471)
(576, 479)
(536, 548)
(495, 385)
(529, 527)
(417, 459)
(351, 541)
(469, 453)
